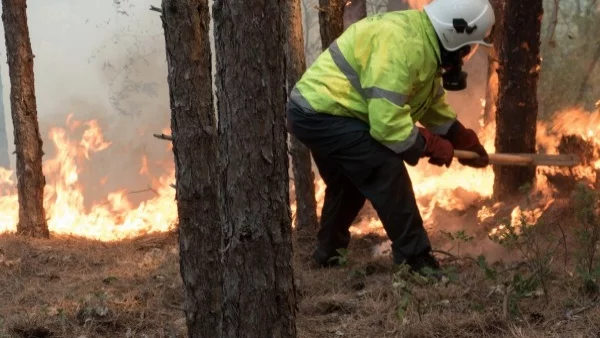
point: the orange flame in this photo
(454, 188)
(460, 187)
(417, 4)
(115, 219)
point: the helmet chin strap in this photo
(454, 78)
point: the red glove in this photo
(439, 150)
(466, 139)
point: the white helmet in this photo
(461, 22)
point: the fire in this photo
(113, 219)
(459, 187)
(117, 217)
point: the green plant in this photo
(526, 234)
(587, 230)
(403, 282)
(342, 257)
(458, 237)
(537, 247)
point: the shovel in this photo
(524, 160)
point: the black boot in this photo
(325, 258)
(424, 264)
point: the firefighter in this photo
(356, 109)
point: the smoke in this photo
(101, 60)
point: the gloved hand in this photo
(466, 139)
(439, 150)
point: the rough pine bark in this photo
(304, 178)
(331, 20)
(517, 108)
(28, 143)
(197, 163)
(231, 168)
(258, 293)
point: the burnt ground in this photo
(67, 287)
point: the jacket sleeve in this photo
(387, 81)
(440, 116)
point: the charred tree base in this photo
(28, 142)
(511, 181)
(518, 49)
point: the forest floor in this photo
(67, 287)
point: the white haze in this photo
(87, 55)
(88, 51)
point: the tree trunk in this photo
(491, 92)
(259, 294)
(354, 11)
(231, 168)
(4, 153)
(304, 178)
(516, 116)
(397, 5)
(196, 152)
(331, 20)
(28, 143)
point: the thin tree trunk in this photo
(354, 11)
(397, 5)
(304, 178)
(588, 75)
(519, 67)
(491, 93)
(259, 292)
(4, 153)
(28, 143)
(331, 20)
(198, 172)
(232, 178)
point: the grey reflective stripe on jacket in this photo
(367, 93)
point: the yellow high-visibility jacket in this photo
(384, 70)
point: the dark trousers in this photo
(355, 167)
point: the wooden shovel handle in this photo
(499, 159)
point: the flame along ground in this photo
(460, 187)
(454, 188)
(114, 219)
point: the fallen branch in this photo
(569, 315)
(507, 292)
(454, 257)
(164, 137)
(156, 9)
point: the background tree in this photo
(397, 5)
(491, 93)
(4, 154)
(231, 167)
(331, 20)
(28, 143)
(354, 11)
(304, 178)
(571, 56)
(518, 47)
